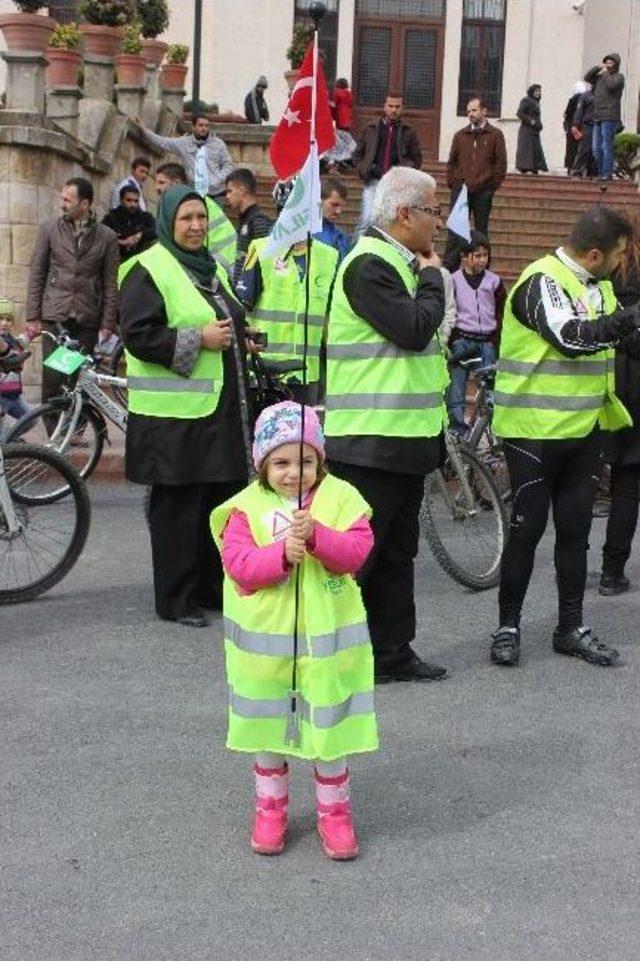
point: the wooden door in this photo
(402, 57)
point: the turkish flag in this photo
(289, 146)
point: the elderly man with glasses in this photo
(385, 400)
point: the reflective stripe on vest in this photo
(155, 390)
(280, 307)
(374, 387)
(321, 717)
(281, 645)
(334, 697)
(539, 392)
(222, 240)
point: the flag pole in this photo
(317, 10)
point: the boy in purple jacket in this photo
(480, 297)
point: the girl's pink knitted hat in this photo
(281, 424)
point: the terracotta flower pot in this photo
(130, 69)
(153, 51)
(172, 76)
(63, 67)
(99, 40)
(27, 31)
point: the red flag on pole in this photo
(289, 146)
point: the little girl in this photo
(319, 704)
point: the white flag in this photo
(458, 219)
(302, 211)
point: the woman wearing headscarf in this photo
(184, 334)
(530, 155)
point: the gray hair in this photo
(400, 187)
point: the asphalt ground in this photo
(498, 821)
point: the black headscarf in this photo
(196, 262)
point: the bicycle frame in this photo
(88, 387)
(468, 508)
(6, 502)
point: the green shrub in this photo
(154, 17)
(302, 37)
(177, 53)
(66, 36)
(132, 39)
(626, 144)
(30, 6)
(106, 13)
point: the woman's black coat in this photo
(530, 155)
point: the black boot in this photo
(613, 584)
(581, 642)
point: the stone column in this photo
(173, 100)
(152, 103)
(130, 100)
(99, 75)
(25, 80)
(63, 107)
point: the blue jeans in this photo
(603, 133)
(462, 348)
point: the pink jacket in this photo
(253, 567)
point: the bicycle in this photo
(463, 517)
(42, 534)
(75, 423)
(481, 437)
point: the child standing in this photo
(480, 297)
(317, 705)
(11, 401)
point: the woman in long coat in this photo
(184, 334)
(622, 448)
(530, 155)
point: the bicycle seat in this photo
(280, 367)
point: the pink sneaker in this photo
(269, 826)
(337, 833)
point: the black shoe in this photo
(412, 668)
(196, 618)
(580, 642)
(613, 584)
(505, 647)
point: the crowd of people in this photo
(304, 534)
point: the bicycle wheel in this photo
(49, 426)
(52, 530)
(464, 520)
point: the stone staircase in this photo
(531, 215)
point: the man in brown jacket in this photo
(383, 144)
(478, 158)
(73, 276)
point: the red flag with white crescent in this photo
(289, 146)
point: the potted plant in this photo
(130, 65)
(103, 19)
(626, 148)
(174, 68)
(64, 56)
(302, 37)
(154, 20)
(27, 29)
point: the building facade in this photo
(437, 53)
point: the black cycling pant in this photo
(623, 518)
(563, 475)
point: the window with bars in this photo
(374, 65)
(64, 11)
(327, 34)
(405, 9)
(482, 54)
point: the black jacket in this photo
(607, 90)
(255, 107)
(125, 224)
(252, 224)
(623, 446)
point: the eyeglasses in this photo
(434, 211)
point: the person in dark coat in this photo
(530, 155)
(622, 448)
(584, 164)
(255, 106)
(608, 84)
(571, 142)
(192, 464)
(135, 228)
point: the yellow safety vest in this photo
(222, 240)
(280, 308)
(373, 386)
(335, 660)
(543, 394)
(155, 390)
